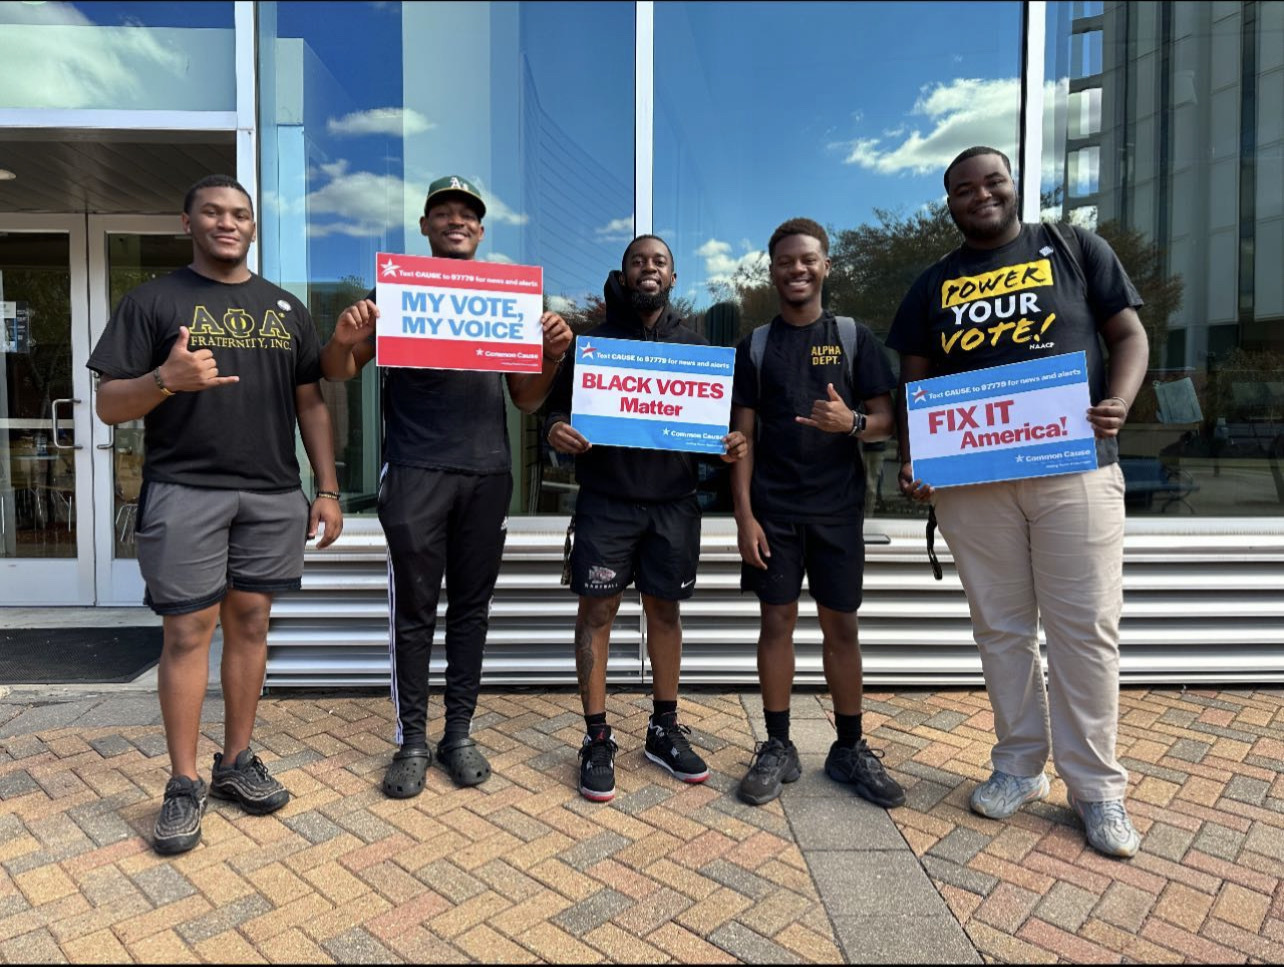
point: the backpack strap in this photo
(1066, 234)
(847, 336)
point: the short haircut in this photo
(624, 259)
(972, 153)
(214, 181)
(798, 226)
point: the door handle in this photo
(53, 413)
(111, 441)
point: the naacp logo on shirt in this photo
(999, 307)
(237, 329)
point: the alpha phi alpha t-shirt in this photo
(977, 308)
(239, 436)
(801, 474)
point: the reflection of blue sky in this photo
(827, 110)
(157, 56)
(763, 111)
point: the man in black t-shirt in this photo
(637, 521)
(799, 503)
(220, 365)
(1047, 548)
(443, 503)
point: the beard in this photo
(986, 233)
(647, 302)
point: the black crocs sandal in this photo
(464, 761)
(405, 775)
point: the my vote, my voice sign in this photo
(1002, 423)
(656, 396)
(458, 314)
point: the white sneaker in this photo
(1108, 828)
(1002, 795)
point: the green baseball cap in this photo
(455, 185)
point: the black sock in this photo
(659, 709)
(596, 725)
(777, 724)
(451, 736)
(849, 732)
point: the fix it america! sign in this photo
(1002, 423)
(458, 314)
(656, 396)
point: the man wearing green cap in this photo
(443, 502)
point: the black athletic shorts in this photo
(833, 556)
(619, 542)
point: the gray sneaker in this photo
(1002, 795)
(1108, 827)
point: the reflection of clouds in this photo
(364, 204)
(499, 257)
(721, 267)
(616, 230)
(391, 121)
(559, 304)
(962, 112)
(55, 57)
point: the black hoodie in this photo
(627, 473)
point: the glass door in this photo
(46, 506)
(124, 251)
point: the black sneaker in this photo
(178, 827)
(246, 781)
(667, 745)
(774, 762)
(862, 767)
(597, 767)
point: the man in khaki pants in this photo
(1049, 547)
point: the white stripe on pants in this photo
(1049, 547)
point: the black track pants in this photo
(440, 523)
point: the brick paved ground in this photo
(1206, 791)
(523, 870)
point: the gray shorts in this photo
(194, 543)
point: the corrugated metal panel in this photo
(1203, 601)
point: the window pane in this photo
(121, 56)
(1182, 176)
(832, 113)
(483, 90)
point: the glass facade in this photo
(532, 102)
(830, 113)
(1161, 130)
(118, 56)
(1166, 136)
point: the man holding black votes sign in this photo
(637, 520)
(443, 502)
(802, 382)
(1047, 547)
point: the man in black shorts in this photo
(799, 503)
(637, 520)
(219, 364)
(443, 503)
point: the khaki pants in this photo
(1050, 547)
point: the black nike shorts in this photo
(620, 542)
(832, 555)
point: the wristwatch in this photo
(858, 424)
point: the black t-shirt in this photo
(802, 474)
(445, 419)
(441, 419)
(235, 437)
(977, 308)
